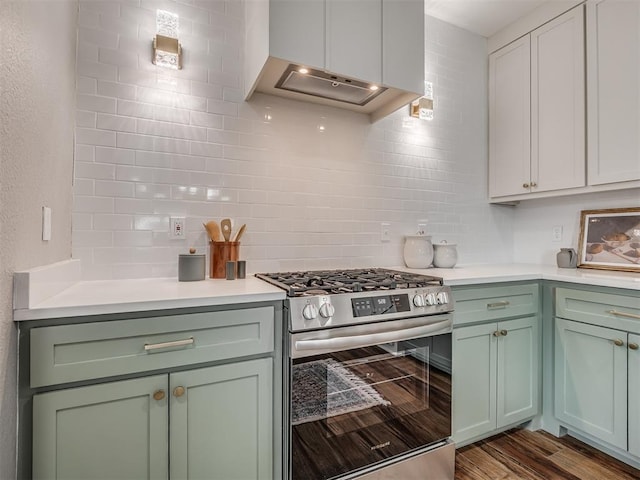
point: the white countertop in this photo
(120, 296)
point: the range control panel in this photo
(379, 305)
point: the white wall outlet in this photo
(422, 228)
(556, 233)
(46, 224)
(177, 228)
(385, 232)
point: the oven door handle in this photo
(365, 340)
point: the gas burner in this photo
(325, 282)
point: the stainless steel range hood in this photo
(282, 78)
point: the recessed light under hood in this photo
(329, 86)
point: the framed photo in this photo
(610, 239)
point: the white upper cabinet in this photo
(537, 110)
(613, 75)
(348, 46)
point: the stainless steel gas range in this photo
(369, 375)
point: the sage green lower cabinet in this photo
(221, 427)
(108, 431)
(634, 394)
(496, 376)
(591, 380)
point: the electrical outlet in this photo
(177, 228)
(556, 233)
(385, 232)
(422, 228)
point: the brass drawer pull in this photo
(624, 314)
(633, 346)
(149, 347)
(496, 333)
(617, 342)
(504, 332)
(501, 304)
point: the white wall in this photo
(37, 109)
(152, 143)
(534, 220)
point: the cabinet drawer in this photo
(70, 353)
(481, 304)
(605, 309)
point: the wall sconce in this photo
(423, 107)
(167, 51)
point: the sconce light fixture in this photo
(423, 107)
(167, 51)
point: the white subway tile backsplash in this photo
(133, 174)
(89, 136)
(85, 119)
(116, 123)
(97, 37)
(136, 142)
(118, 57)
(112, 222)
(94, 171)
(105, 188)
(135, 109)
(96, 70)
(132, 206)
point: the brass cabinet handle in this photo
(496, 333)
(525, 185)
(178, 391)
(624, 314)
(176, 343)
(534, 184)
(503, 333)
(158, 395)
(617, 342)
(633, 346)
(501, 304)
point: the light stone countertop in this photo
(120, 296)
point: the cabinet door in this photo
(354, 38)
(510, 119)
(474, 381)
(591, 380)
(634, 395)
(403, 44)
(108, 431)
(518, 371)
(558, 157)
(221, 425)
(613, 62)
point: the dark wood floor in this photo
(523, 455)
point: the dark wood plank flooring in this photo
(520, 454)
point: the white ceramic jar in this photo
(418, 251)
(445, 255)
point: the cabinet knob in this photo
(534, 184)
(633, 346)
(496, 333)
(618, 343)
(178, 391)
(525, 185)
(503, 333)
(158, 395)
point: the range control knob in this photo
(430, 298)
(310, 312)
(442, 298)
(418, 301)
(327, 310)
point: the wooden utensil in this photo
(225, 224)
(213, 229)
(240, 233)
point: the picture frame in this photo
(610, 239)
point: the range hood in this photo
(284, 79)
(367, 57)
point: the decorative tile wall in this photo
(153, 143)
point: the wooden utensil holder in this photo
(221, 253)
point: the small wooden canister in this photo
(221, 253)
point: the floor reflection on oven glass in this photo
(357, 407)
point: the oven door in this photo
(368, 394)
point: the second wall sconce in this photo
(167, 51)
(423, 107)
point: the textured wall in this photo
(152, 143)
(37, 110)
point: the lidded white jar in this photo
(445, 255)
(418, 251)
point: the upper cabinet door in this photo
(403, 44)
(558, 103)
(297, 31)
(509, 119)
(354, 38)
(613, 59)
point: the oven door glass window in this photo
(355, 408)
